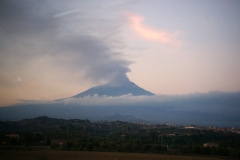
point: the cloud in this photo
(96, 60)
(23, 17)
(151, 33)
(35, 102)
(65, 13)
(51, 43)
(225, 103)
(213, 108)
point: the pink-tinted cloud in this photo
(151, 33)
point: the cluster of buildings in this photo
(216, 129)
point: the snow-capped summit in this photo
(115, 88)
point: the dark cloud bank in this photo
(213, 108)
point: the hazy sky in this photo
(54, 49)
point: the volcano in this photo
(113, 89)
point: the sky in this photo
(56, 49)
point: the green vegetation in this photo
(104, 136)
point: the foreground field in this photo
(79, 155)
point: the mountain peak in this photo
(114, 89)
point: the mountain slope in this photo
(114, 90)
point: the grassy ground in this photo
(81, 155)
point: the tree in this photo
(89, 146)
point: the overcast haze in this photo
(56, 49)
